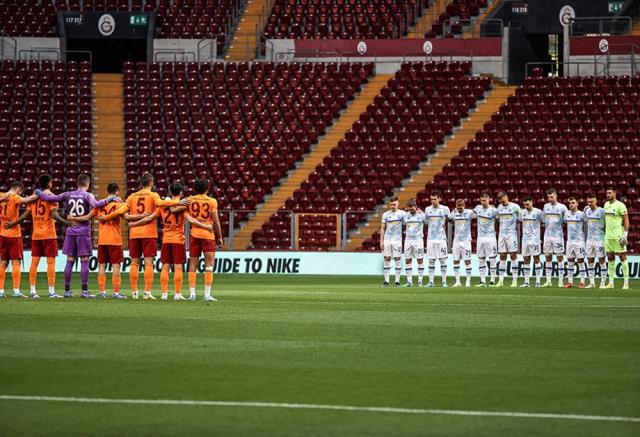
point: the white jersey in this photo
(436, 222)
(414, 226)
(393, 222)
(553, 219)
(575, 226)
(595, 224)
(508, 215)
(531, 221)
(462, 224)
(486, 222)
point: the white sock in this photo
(502, 269)
(591, 272)
(456, 272)
(469, 274)
(443, 269)
(409, 273)
(420, 273)
(603, 272)
(583, 268)
(207, 290)
(16, 290)
(482, 269)
(52, 289)
(398, 270)
(432, 270)
(538, 270)
(387, 267)
(33, 289)
(526, 270)
(192, 291)
(548, 269)
(514, 270)
(493, 268)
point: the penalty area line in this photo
(296, 406)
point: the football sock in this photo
(502, 270)
(148, 277)
(469, 273)
(612, 270)
(192, 283)
(548, 269)
(561, 267)
(177, 280)
(456, 272)
(432, 270)
(398, 270)
(625, 270)
(387, 267)
(420, 273)
(526, 271)
(116, 280)
(538, 270)
(591, 271)
(208, 280)
(84, 274)
(582, 267)
(102, 282)
(603, 271)
(570, 270)
(15, 274)
(514, 270)
(493, 268)
(164, 280)
(482, 269)
(409, 272)
(443, 269)
(51, 274)
(3, 271)
(33, 273)
(67, 275)
(133, 277)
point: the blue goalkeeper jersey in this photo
(595, 224)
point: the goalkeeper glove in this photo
(37, 192)
(624, 239)
(113, 199)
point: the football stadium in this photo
(320, 217)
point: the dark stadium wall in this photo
(523, 49)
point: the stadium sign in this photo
(567, 15)
(305, 263)
(106, 25)
(100, 25)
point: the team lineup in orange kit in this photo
(141, 210)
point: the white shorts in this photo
(530, 249)
(595, 249)
(436, 249)
(553, 246)
(392, 249)
(575, 249)
(507, 244)
(462, 250)
(487, 248)
(414, 249)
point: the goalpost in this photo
(317, 231)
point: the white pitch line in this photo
(295, 406)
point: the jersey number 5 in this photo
(140, 205)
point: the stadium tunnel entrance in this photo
(106, 55)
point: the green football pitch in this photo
(325, 355)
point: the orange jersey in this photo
(203, 208)
(172, 226)
(44, 227)
(141, 202)
(109, 232)
(9, 212)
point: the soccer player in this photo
(77, 240)
(414, 241)
(575, 220)
(531, 219)
(487, 247)
(204, 209)
(508, 215)
(142, 239)
(595, 241)
(616, 236)
(11, 235)
(43, 239)
(391, 240)
(553, 236)
(437, 216)
(461, 218)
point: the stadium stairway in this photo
(108, 133)
(243, 44)
(635, 30)
(429, 16)
(474, 31)
(285, 190)
(466, 132)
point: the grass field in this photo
(325, 340)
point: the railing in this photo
(178, 55)
(632, 63)
(584, 68)
(490, 27)
(38, 53)
(210, 48)
(8, 47)
(600, 26)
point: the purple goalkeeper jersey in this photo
(77, 204)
